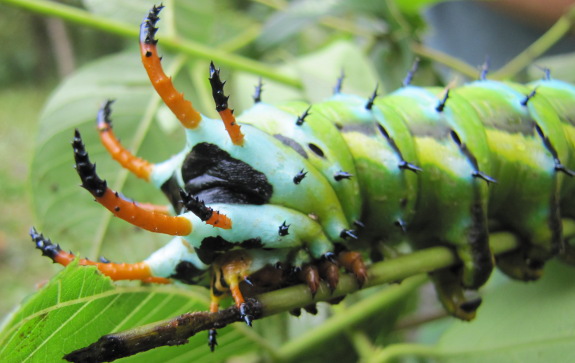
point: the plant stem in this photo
(398, 350)
(540, 46)
(187, 47)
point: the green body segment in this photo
(561, 96)
(526, 198)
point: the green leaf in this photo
(518, 322)
(79, 305)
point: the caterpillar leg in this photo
(452, 296)
(132, 212)
(116, 271)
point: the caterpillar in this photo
(290, 193)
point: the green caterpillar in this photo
(300, 191)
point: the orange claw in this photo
(182, 108)
(138, 166)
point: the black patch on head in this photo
(211, 247)
(252, 243)
(187, 273)
(211, 174)
(291, 143)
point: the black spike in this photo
(339, 83)
(258, 91)
(408, 166)
(104, 259)
(340, 175)
(359, 224)
(441, 105)
(329, 256)
(103, 120)
(484, 69)
(212, 341)
(401, 224)
(370, 101)
(301, 118)
(528, 97)
(409, 76)
(283, 230)
(44, 244)
(562, 168)
(147, 29)
(196, 206)
(245, 314)
(299, 176)
(481, 175)
(348, 233)
(220, 99)
(86, 170)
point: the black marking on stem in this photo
(339, 83)
(86, 170)
(441, 105)
(284, 229)
(528, 97)
(340, 175)
(220, 99)
(196, 206)
(48, 249)
(300, 120)
(299, 176)
(148, 29)
(369, 104)
(258, 91)
(409, 76)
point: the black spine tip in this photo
(103, 120)
(329, 256)
(148, 29)
(441, 105)
(212, 341)
(369, 104)
(48, 249)
(284, 229)
(341, 175)
(85, 169)
(348, 233)
(359, 224)
(299, 176)
(409, 166)
(196, 206)
(528, 97)
(481, 175)
(339, 83)
(245, 314)
(484, 69)
(258, 91)
(409, 76)
(401, 224)
(220, 99)
(300, 120)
